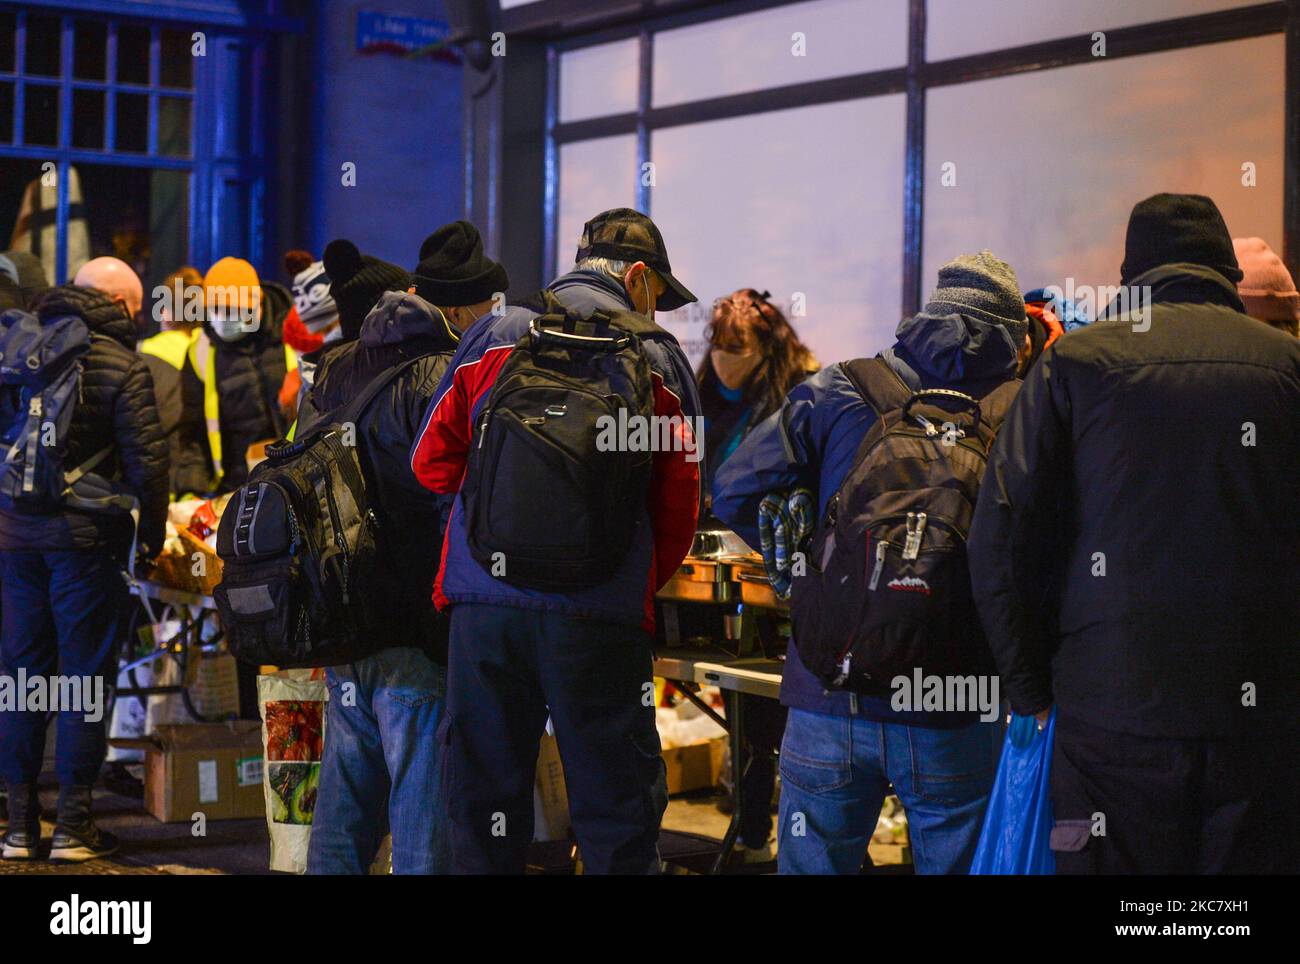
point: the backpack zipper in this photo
(881, 548)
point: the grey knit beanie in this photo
(982, 286)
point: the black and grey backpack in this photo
(887, 587)
(299, 553)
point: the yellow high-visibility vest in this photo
(204, 360)
(170, 346)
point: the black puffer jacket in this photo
(399, 328)
(249, 374)
(1135, 551)
(116, 404)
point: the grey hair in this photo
(606, 266)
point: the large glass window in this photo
(792, 44)
(1048, 165)
(600, 80)
(773, 201)
(828, 199)
(595, 175)
(956, 28)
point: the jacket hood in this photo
(102, 315)
(1181, 283)
(593, 282)
(398, 316)
(958, 348)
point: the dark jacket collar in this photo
(1182, 283)
(585, 291)
(102, 315)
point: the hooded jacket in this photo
(249, 373)
(664, 530)
(1133, 553)
(400, 328)
(812, 441)
(116, 404)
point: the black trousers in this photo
(764, 726)
(1174, 806)
(508, 668)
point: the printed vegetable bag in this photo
(1018, 825)
(292, 705)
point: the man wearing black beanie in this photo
(356, 282)
(381, 763)
(457, 276)
(1135, 572)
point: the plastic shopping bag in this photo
(292, 704)
(1018, 824)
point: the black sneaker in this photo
(22, 841)
(76, 838)
(21, 844)
(79, 844)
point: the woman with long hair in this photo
(754, 358)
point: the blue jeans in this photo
(836, 771)
(380, 768)
(62, 615)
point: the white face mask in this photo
(232, 324)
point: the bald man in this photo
(116, 279)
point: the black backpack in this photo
(301, 581)
(549, 503)
(40, 369)
(887, 586)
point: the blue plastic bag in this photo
(1018, 823)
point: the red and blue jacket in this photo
(666, 527)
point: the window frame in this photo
(914, 80)
(228, 191)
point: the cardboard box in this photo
(694, 767)
(209, 768)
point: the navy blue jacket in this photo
(812, 441)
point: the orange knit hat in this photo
(236, 274)
(1267, 289)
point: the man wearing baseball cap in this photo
(581, 657)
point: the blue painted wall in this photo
(398, 120)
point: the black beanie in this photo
(356, 282)
(1177, 229)
(453, 269)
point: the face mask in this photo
(231, 326)
(734, 368)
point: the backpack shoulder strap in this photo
(354, 409)
(878, 384)
(304, 434)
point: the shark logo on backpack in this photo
(909, 584)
